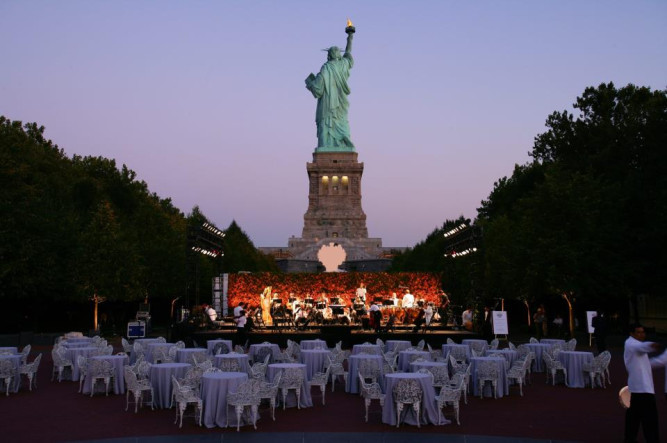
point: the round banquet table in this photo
(78, 340)
(118, 362)
(398, 345)
(446, 349)
(416, 366)
(214, 390)
(314, 359)
(8, 350)
(76, 344)
(241, 359)
(574, 362)
(306, 399)
(210, 345)
(151, 348)
(478, 342)
(313, 344)
(16, 361)
(538, 349)
(429, 410)
(508, 354)
(367, 349)
(353, 361)
(73, 353)
(553, 341)
(406, 357)
(275, 351)
(184, 355)
(502, 386)
(160, 378)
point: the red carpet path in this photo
(56, 412)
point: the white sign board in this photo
(589, 321)
(500, 323)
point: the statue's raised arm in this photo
(330, 88)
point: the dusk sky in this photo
(206, 101)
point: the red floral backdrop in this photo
(248, 287)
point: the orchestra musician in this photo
(408, 299)
(361, 292)
(265, 304)
(394, 298)
(466, 318)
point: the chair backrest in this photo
(229, 365)
(369, 368)
(450, 341)
(440, 375)
(487, 369)
(380, 343)
(204, 365)
(161, 340)
(262, 353)
(35, 362)
(511, 345)
(407, 390)
(534, 340)
(292, 377)
(82, 363)
(220, 348)
(239, 349)
(130, 378)
(180, 344)
(212, 370)
(99, 368)
(421, 344)
(494, 344)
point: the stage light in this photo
(455, 230)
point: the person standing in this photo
(241, 327)
(408, 300)
(466, 318)
(361, 293)
(599, 323)
(539, 318)
(643, 410)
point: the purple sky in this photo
(206, 102)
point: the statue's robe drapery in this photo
(331, 90)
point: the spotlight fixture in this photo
(455, 254)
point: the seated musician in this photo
(327, 315)
(408, 299)
(394, 298)
(466, 318)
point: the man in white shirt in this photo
(361, 293)
(643, 410)
(408, 300)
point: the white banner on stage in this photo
(500, 323)
(589, 320)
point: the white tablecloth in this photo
(503, 385)
(314, 359)
(160, 377)
(405, 358)
(73, 353)
(118, 362)
(184, 355)
(429, 410)
(353, 361)
(306, 399)
(214, 390)
(553, 341)
(8, 350)
(416, 366)
(313, 344)
(574, 362)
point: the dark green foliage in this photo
(70, 227)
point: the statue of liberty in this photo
(330, 88)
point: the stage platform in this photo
(349, 335)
